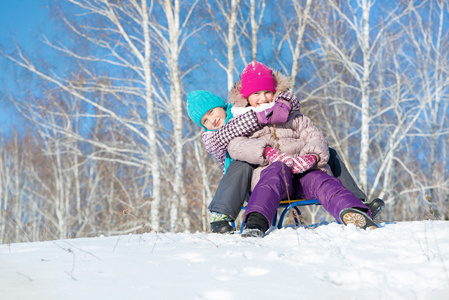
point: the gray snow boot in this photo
(221, 227)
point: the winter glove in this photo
(272, 155)
(278, 114)
(303, 163)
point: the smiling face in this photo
(214, 118)
(260, 97)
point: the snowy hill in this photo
(407, 260)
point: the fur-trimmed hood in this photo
(283, 84)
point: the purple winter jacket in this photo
(298, 136)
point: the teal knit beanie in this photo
(200, 102)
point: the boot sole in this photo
(358, 218)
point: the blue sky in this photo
(21, 21)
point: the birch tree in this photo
(171, 39)
(206, 191)
(227, 33)
(4, 186)
(119, 46)
(429, 38)
(303, 19)
(361, 73)
(256, 22)
(150, 122)
(8, 171)
(348, 35)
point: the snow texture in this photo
(405, 260)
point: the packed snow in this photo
(404, 260)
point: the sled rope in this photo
(278, 146)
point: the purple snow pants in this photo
(314, 184)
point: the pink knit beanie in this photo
(257, 77)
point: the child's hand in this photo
(273, 155)
(278, 114)
(303, 163)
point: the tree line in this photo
(109, 148)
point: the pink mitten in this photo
(273, 155)
(303, 163)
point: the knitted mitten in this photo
(303, 163)
(273, 155)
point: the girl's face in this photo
(214, 118)
(260, 97)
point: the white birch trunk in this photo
(76, 176)
(4, 184)
(255, 25)
(206, 193)
(150, 124)
(365, 87)
(302, 20)
(179, 201)
(232, 21)
(254, 29)
(59, 196)
(438, 79)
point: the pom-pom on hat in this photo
(257, 77)
(200, 102)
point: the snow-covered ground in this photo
(406, 260)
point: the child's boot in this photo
(357, 217)
(221, 227)
(376, 207)
(219, 223)
(256, 225)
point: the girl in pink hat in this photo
(207, 110)
(301, 148)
